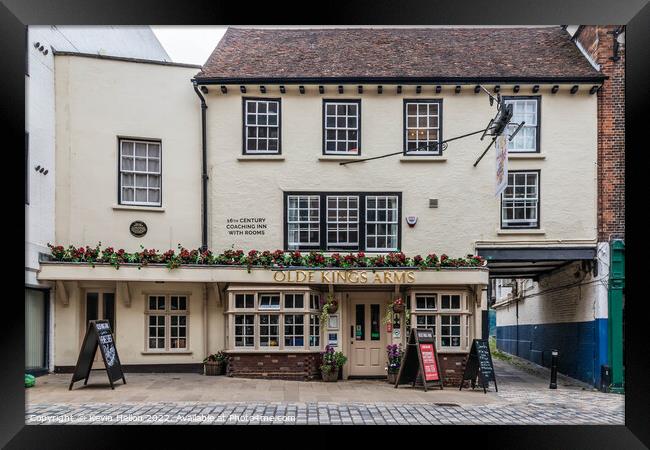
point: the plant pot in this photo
(391, 377)
(399, 308)
(213, 368)
(330, 376)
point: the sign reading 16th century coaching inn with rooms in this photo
(261, 203)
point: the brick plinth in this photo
(284, 366)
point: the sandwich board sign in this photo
(479, 366)
(420, 360)
(98, 334)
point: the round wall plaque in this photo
(138, 228)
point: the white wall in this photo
(131, 41)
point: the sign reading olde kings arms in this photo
(345, 276)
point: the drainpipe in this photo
(204, 170)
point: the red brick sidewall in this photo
(285, 366)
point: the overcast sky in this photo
(189, 44)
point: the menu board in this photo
(98, 335)
(420, 360)
(479, 366)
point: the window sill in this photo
(260, 158)
(272, 350)
(519, 231)
(154, 209)
(526, 156)
(339, 157)
(184, 352)
(423, 159)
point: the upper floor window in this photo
(349, 221)
(524, 109)
(520, 200)
(341, 127)
(261, 126)
(140, 172)
(422, 126)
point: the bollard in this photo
(553, 385)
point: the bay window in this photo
(281, 320)
(447, 314)
(348, 221)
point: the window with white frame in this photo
(382, 223)
(347, 221)
(342, 222)
(244, 330)
(140, 172)
(303, 221)
(446, 314)
(520, 201)
(524, 109)
(422, 127)
(314, 330)
(341, 127)
(274, 320)
(261, 126)
(269, 330)
(167, 322)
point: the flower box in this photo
(213, 368)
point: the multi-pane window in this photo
(261, 126)
(382, 223)
(422, 123)
(167, 323)
(524, 110)
(446, 314)
(346, 221)
(314, 330)
(520, 201)
(303, 221)
(342, 222)
(450, 330)
(341, 123)
(294, 301)
(294, 330)
(425, 301)
(244, 330)
(269, 330)
(274, 320)
(269, 301)
(140, 172)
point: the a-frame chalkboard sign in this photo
(479, 366)
(420, 360)
(98, 334)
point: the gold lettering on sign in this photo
(344, 277)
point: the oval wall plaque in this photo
(138, 228)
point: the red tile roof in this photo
(426, 54)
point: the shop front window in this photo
(167, 322)
(447, 315)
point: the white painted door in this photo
(368, 339)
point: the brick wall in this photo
(285, 366)
(599, 42)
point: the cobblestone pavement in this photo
(522, 399)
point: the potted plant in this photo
(331, 363)
(395, 354)
(328, 306)
(215, 364)
(397, 306)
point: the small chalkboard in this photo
(420, 360)
(479, 366)
(98, 334)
